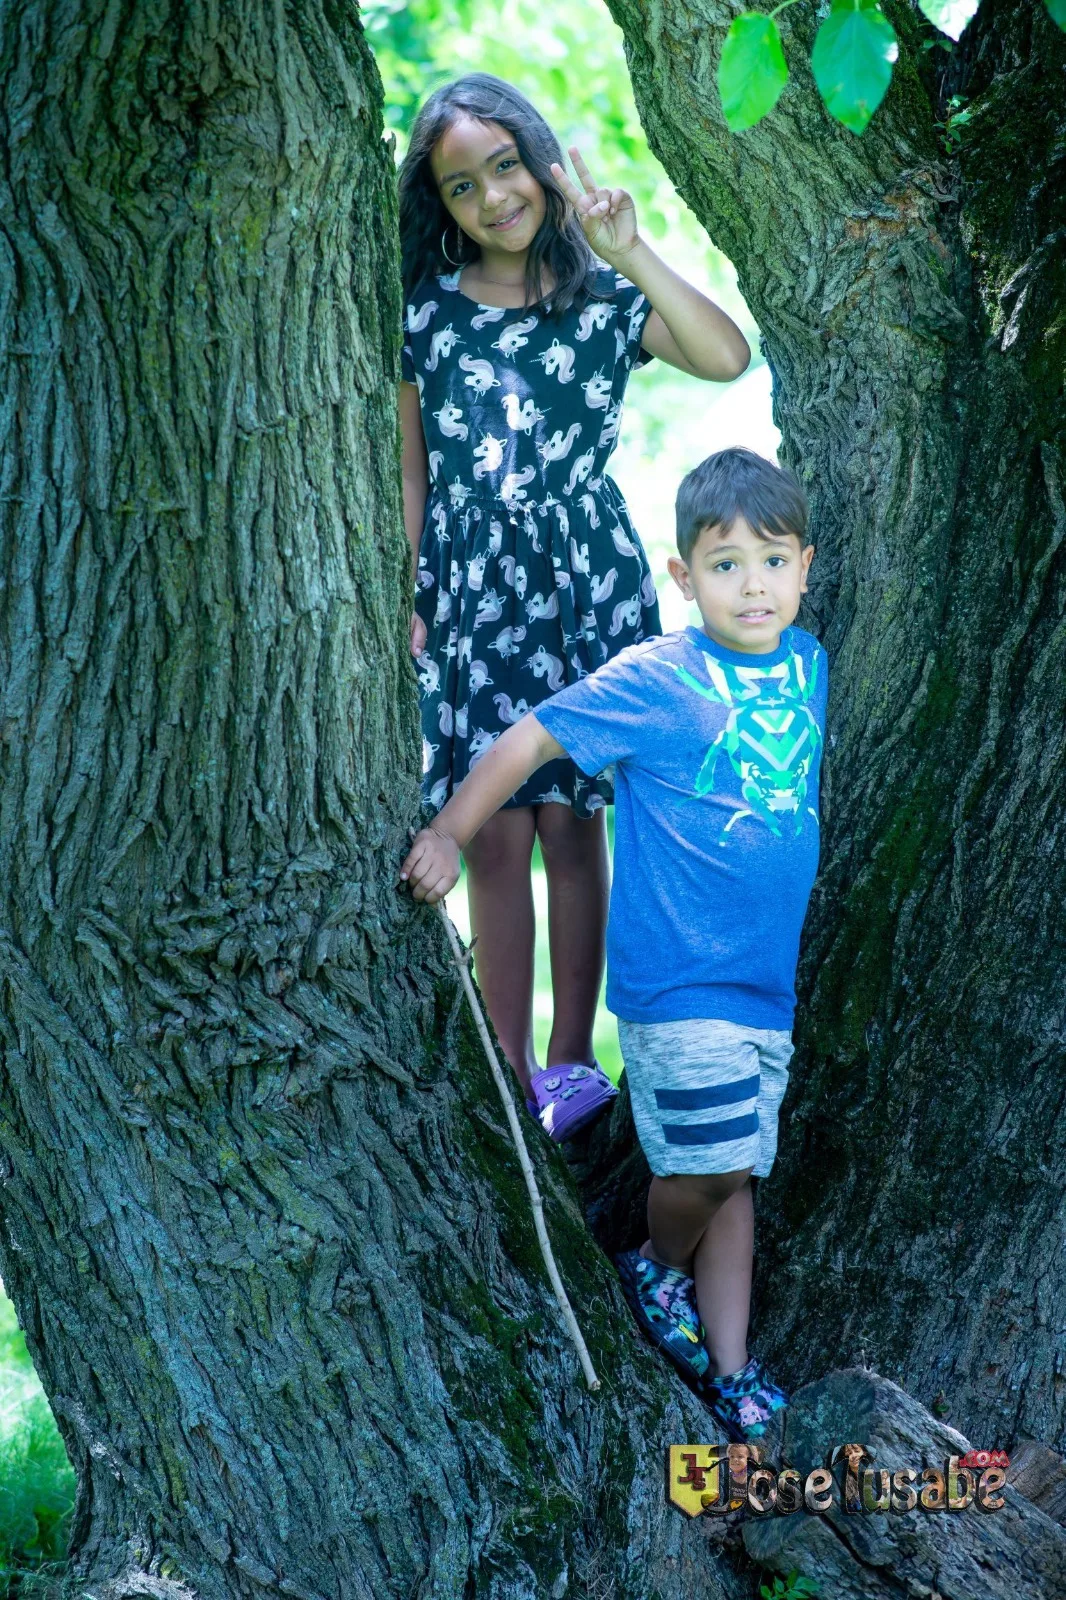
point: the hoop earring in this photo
(458, 245)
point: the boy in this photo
(716, 736)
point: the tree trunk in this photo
(260, 1218)
(910, 297)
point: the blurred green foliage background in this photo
(567, 56)
(36, 1481)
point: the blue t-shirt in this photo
(717, 756)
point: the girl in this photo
(529, 301)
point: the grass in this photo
(36, 1479)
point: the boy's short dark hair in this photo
(739, 483)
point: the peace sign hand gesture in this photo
(608, 216)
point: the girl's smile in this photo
(510, 219)
(488, 189)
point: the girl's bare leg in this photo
(500, 893)
(575, 863)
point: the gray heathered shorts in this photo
(705, 1093)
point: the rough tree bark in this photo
(910, 297)
(260, 1219)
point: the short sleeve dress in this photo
(530, 573)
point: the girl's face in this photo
(485, 186)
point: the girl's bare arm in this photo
(415, 469)
(432, 865)
(685, 329)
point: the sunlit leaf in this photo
(852, 62)
(752, 71)
(950, 16)
(1057, 12)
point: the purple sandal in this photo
(567, 1098)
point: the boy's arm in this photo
(432, 864)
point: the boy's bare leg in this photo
(500, 893)
(575, 864)
(722, 1270)
(704, 1226)
(679, 1210)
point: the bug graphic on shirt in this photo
(771, 738)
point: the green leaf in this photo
(950, 16)
(852, 62)
(752, 71)
(1057, 12)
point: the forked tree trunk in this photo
(260, 1219)
(911, 300)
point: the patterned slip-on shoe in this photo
(743, 1402)
(569, 1097)
(663, 1300)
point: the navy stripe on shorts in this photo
(705, 1093)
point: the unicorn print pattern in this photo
(530, 573)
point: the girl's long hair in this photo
(559, 243)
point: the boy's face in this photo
(747, 587)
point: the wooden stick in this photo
(462, 961)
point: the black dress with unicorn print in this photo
(530, 574)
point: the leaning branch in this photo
(462, 961)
